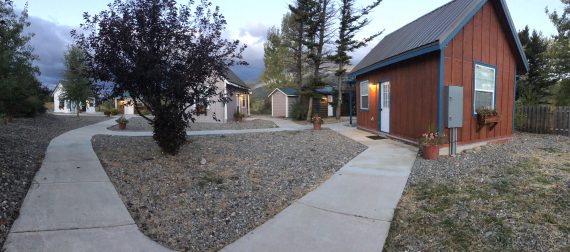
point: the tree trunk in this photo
(310, 110)
(339, 102)
(169, 130)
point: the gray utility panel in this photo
(454, 107)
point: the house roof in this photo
(234, 79)
(286, 91)
(429, 33)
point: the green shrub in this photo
(32, 106)
(299, 111)
(261, 107)
(520, 117)
(107, 112)
(115, 111)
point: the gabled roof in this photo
(286, 91)
(429, 33)
(234, 79)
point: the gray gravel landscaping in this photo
(22, 148)
(506, 197)
(218, 188)
(141, 124)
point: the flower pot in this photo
(317, 125)
(122, 126)
(431, 152)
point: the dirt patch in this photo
(514, 196)
(219, 187)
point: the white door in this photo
(385, 106)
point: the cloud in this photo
(49, 42)
(254, 36)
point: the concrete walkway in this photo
(73, 206)
(349, 212)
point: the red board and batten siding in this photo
(413, 107)
(484, 39)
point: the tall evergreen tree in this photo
(77, 86)
(559, 53)
(352, 20)
(534, 87)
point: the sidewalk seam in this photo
(70, 229)
(341, 213)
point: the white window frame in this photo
(365, 84)
(493, 91)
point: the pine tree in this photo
(559, 54)
(534, 87)
(352, 21)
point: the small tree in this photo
(19, 88)
(352, 20)
(165, 55)
(76, 83)
(559, 54)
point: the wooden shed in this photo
(282, 101)
(401, 83)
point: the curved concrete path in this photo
(73, 206)
(351, 211)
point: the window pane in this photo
(364, 102)
(483, 100)
(364, 88)
(484, 78)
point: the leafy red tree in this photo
(166, 56)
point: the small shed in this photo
(471, 45)
(282, 101)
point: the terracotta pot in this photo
(431, 152)
(122, 126)
(317, 125)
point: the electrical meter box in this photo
(454, 117)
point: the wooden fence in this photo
(543, 119)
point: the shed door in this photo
(385, 107)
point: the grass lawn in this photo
(520, 202)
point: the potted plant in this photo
(317, 122)
(238, 117)
(122, 121)
(429, 142)
(487, 116)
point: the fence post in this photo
(568, 119)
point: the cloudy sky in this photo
(248, 21)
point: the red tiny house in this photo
(474, 46)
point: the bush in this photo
(238, 117)
(261, 107)
(115, 111)
(107, 112)
(299, 111)
(32, 106)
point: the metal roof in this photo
(286, 90)
(234, 79)
(428, 33)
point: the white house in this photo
(61, 105)
(240, 100)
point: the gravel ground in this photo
(507, 197)
(23, 147)
(219, 187)
(140, 124)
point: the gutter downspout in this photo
(440, 92)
